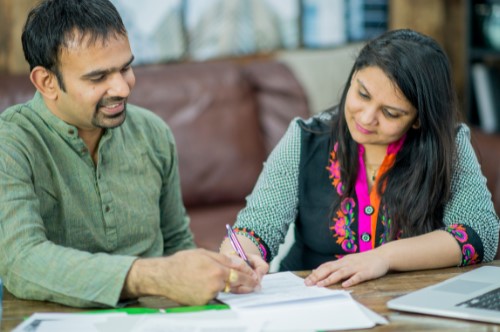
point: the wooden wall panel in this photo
(5, 31)
(455, 43)
(12, 18)
(441, 19)
(444, 20)
(425, 16)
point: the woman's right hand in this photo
(351, 270)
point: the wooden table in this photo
(373, 294)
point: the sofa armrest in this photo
(487, 147)
(280, 98)
(15, 89)
(212, 111)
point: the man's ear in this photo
(45, 81)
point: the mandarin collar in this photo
(62, 128)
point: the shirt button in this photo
(369, 210)
(107, 208)
(71, 131)
(365, 237)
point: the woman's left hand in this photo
(353, 269)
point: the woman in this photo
(385, 181)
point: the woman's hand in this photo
(259, 265)
(351, 269)
(407, 254)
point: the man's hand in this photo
(191, 277)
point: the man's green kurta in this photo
(70, 229)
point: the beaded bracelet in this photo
(255, 239)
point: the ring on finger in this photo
(227, 288)
(233, 276)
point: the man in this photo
(88, 183)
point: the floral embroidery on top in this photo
(342, 227)
(386, 223)
(345, 215)
(469, 254)
(334, 170)
(367, 222)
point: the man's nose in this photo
(119, 86)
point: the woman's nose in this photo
(368, 115)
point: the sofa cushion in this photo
(213, 115)
(487, 147)
(280, 98)
(208, 223)
(15, 89)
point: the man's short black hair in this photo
(53, 23)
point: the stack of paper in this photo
(287, 304)
(283, 304)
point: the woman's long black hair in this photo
(419, 183)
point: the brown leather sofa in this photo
(226, 118)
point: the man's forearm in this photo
(191, 277)
(141, 279)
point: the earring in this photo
(416, 124)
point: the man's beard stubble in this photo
(100, 120)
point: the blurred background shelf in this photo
(482, 63)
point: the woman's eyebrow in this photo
(398, 109)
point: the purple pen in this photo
(236, 244)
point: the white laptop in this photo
(473, 295)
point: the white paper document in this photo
(285, 303)
(337, 313)
(205, 321)
(54, 322)
(283, 287)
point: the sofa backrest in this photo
(15, 89)
(487, 147)
(213, 115)
(226, 117)
(231, 113)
